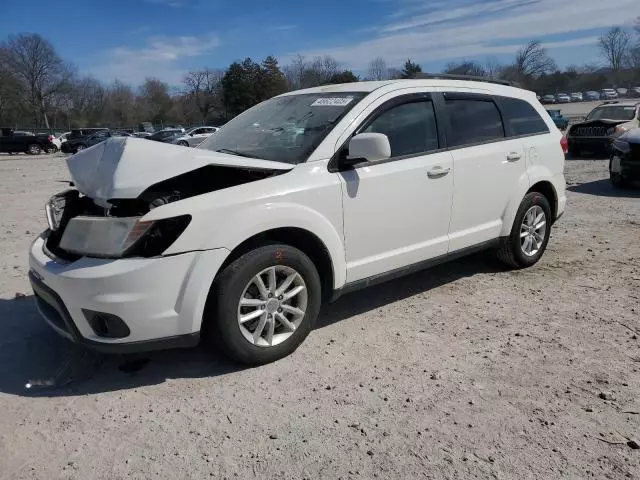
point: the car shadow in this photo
(36, 362)
(604, 188)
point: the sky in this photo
(134, 39)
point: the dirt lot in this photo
(463, 371)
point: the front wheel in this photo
(264, 304)
(52, 149)
(529, 234)
(79, 148)
(182, 143)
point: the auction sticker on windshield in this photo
(332, 102)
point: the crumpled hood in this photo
(124, 167)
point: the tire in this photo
(222, 316)
(33, 149)
(52, 149)
(512, 248)
(79, 148)
(182, 143)
(617, 179)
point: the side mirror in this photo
(367, 147)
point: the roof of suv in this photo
(368, 87)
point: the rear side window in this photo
(522, 118)
(410, 127)
(473, 121)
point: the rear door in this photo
(487, 168)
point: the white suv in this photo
(298, 200)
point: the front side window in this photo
(410, 127)
(473, 121)
(283, 129)
(523, 118)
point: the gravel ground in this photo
(466, 370)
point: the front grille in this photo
(590, 131)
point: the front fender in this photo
(216, 230)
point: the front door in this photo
(397, 211)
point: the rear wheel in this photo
(34, 149)
(79, 148)
(264, 304)
(530, 233)
(182, 143)
(52, 149)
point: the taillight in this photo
(564, 144)
(51, 137)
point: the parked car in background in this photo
(635, 91)
(242, 239)
(591, 96)
(560, 121)
(75, 145)
(576, 97)
(194, 137)
(142, 134)
(166, 134)
(548, 99)
(60, 139)
(609, 94)
(622, 92)
(25, 142)
(84, 132)
(563, 98)
(603, 124)
(624, 165)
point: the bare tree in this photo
(614, 47)
(294, 71)
(465, 67)
(155, 100)
(532, 61)
(378, 69)
(33, 61)
(319, 71)
(493, 68)
(204, 89)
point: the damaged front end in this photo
(119, 181)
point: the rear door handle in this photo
(437, 172)
(513, 156)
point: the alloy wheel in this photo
(533, 231)
(272, 306)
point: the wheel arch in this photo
(547, 189)
(300, 238)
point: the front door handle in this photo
(513, 156)
(437, 172)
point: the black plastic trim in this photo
(409, 269)
(47, 295)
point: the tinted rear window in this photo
(473, 121)
(522, 118)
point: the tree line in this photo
(39, 89)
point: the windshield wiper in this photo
(233, 152)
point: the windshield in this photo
(613, 113)
(283, 129)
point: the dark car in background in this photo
(84, 132)
(624, 165)
(604, 124)
(166, 135)
(74, 145)
(561, 122)
(12, 141)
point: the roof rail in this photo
(451, 76)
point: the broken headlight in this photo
(117, 237)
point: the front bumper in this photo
(161, 300)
